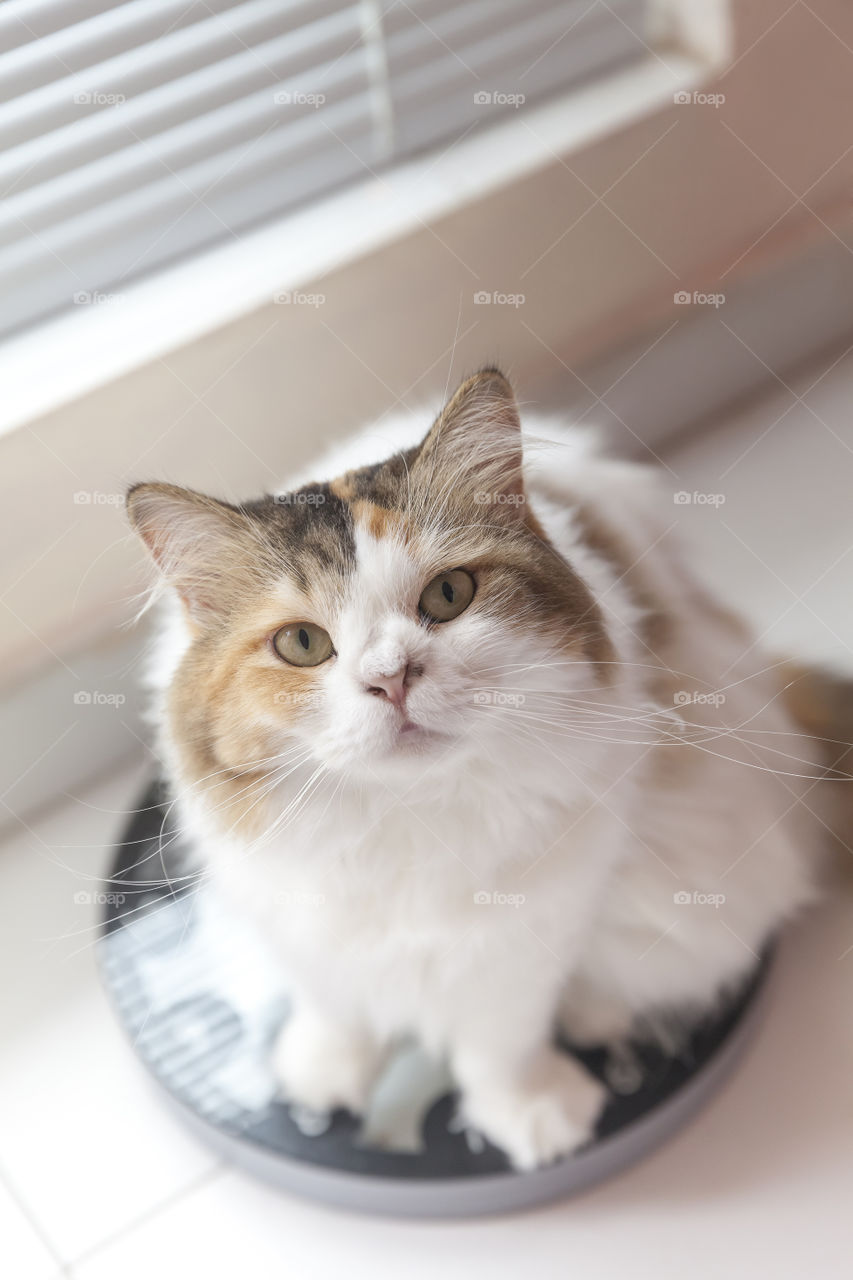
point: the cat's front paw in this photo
(323, 1066)
(549, 1114)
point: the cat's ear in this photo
(475, 442)
(197, 543)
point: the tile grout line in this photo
(32, 1219)
(195, 1184)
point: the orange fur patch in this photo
(380, 522)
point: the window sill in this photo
(97, 343)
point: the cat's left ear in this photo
(475, 443)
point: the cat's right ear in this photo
(197, 543)
(474, 445)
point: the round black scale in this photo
(202, 1002)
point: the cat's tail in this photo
(821, 703)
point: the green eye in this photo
(448, 595)
(303, 644)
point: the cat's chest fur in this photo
(387, 908)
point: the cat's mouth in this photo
(416, 736)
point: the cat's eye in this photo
(447, 595)
(303, 644)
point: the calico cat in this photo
(464, 734)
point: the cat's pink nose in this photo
(393, 687)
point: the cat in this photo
(465, 735)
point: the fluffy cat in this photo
(464, 734)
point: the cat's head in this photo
(384, 622)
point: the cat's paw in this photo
(321, 1066)
(540, 1119)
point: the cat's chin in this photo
(411, 739)
(408, 747)
(398, 751)
(413, 735)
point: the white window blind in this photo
(133, 133)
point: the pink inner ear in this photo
(200, 545)
(476, 440)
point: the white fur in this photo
(557, 811)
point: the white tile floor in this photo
(98, 1182)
